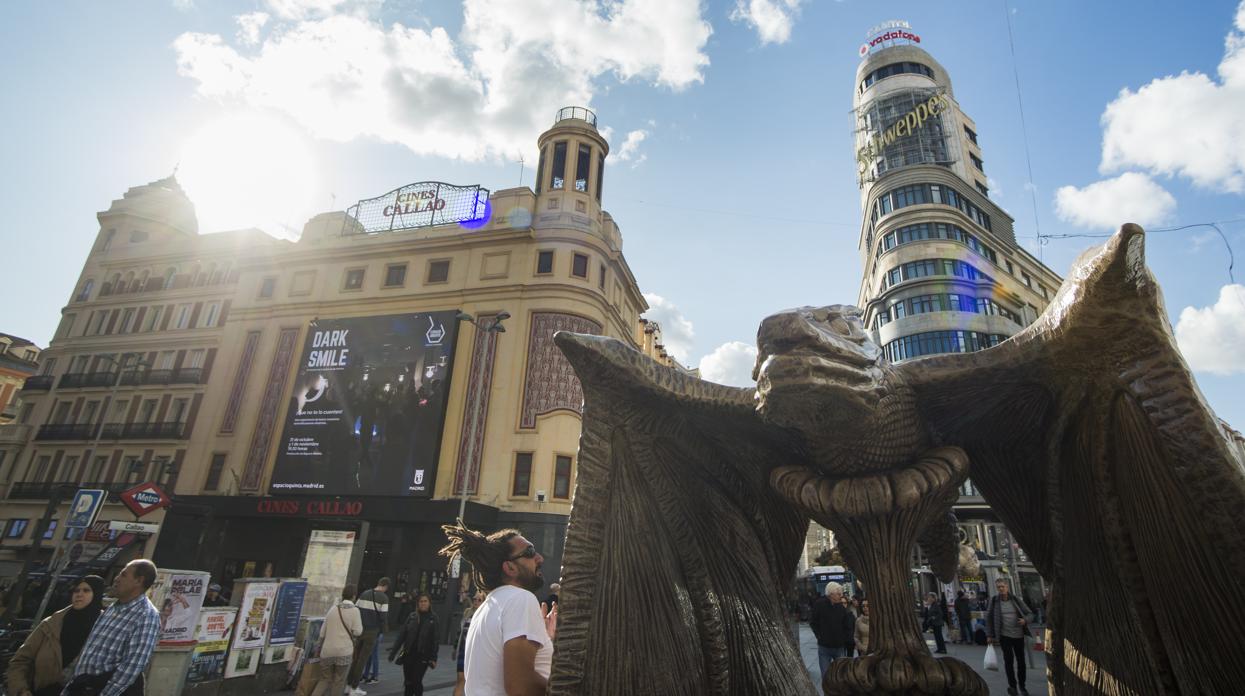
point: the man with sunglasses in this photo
(509, 648)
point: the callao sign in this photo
(885, 33)
(310, 508)
(145, 498)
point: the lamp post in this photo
(55, 564)
(485, 330)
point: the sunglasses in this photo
(529, 552)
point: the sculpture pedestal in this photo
(876, 520)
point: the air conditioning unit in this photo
(540, 496)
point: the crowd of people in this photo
(841, 626)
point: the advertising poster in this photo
(289, 608)
(178, 595)
(368, 405)
(242, 663)
(207, 661)
(254, 615)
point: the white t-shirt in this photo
(508, 612)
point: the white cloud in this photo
(772, 19)
(994, 187)
(629, 151)
(183, 5)
(330, 66)
(1187, 124)
(677, 332)
(249, 26)
(1213, 338)
(319, 9)
(1129, 197)
(730, 363)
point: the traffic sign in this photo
(85, 506)
(145, 498)
(136, 527)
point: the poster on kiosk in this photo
(285, 615)
(207, 662)
(178, 596)
(251, 629)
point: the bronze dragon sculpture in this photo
(1086, 433)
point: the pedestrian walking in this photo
(122, 639)
(373, 606)
(38, 667)
(416, 646)
(341, 630)
(833, 625)
(861, 630)
(932, 616)
(964, 617)
(509, 646)
(1007, 623)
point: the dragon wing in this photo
(1090, 439)
(678, 554)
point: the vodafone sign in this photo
(888, 33)
(145, 498)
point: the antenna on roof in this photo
(521, 163)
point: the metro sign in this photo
(145, 498)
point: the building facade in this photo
(19, 359)
(942, 270)
(277, 390)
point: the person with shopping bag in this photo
(1007, 624)
(416, 646)
(341, 631)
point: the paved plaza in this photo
(440, 681)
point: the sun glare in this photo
(249, 171)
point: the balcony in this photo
(112, 431)
(31, 490)
(70, 380)
(38, 383)
(66, 431)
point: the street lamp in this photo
(484, 329)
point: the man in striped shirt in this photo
(121, 643)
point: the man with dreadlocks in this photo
(509, 646)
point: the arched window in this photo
(142, 281)
(169, 273)
(85, 293)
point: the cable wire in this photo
(1024, 129)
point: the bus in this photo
(813, 582)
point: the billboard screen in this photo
(368, 406)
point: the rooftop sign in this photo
(423, 204)
(888, 34)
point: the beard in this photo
(531, 581)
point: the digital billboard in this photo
(368, 406)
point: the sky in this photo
(731, 175)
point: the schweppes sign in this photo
(909, 124)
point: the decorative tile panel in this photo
(550, 383)
(273, 401)
(479, 383)
(239, 383)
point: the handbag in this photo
(400, 656)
